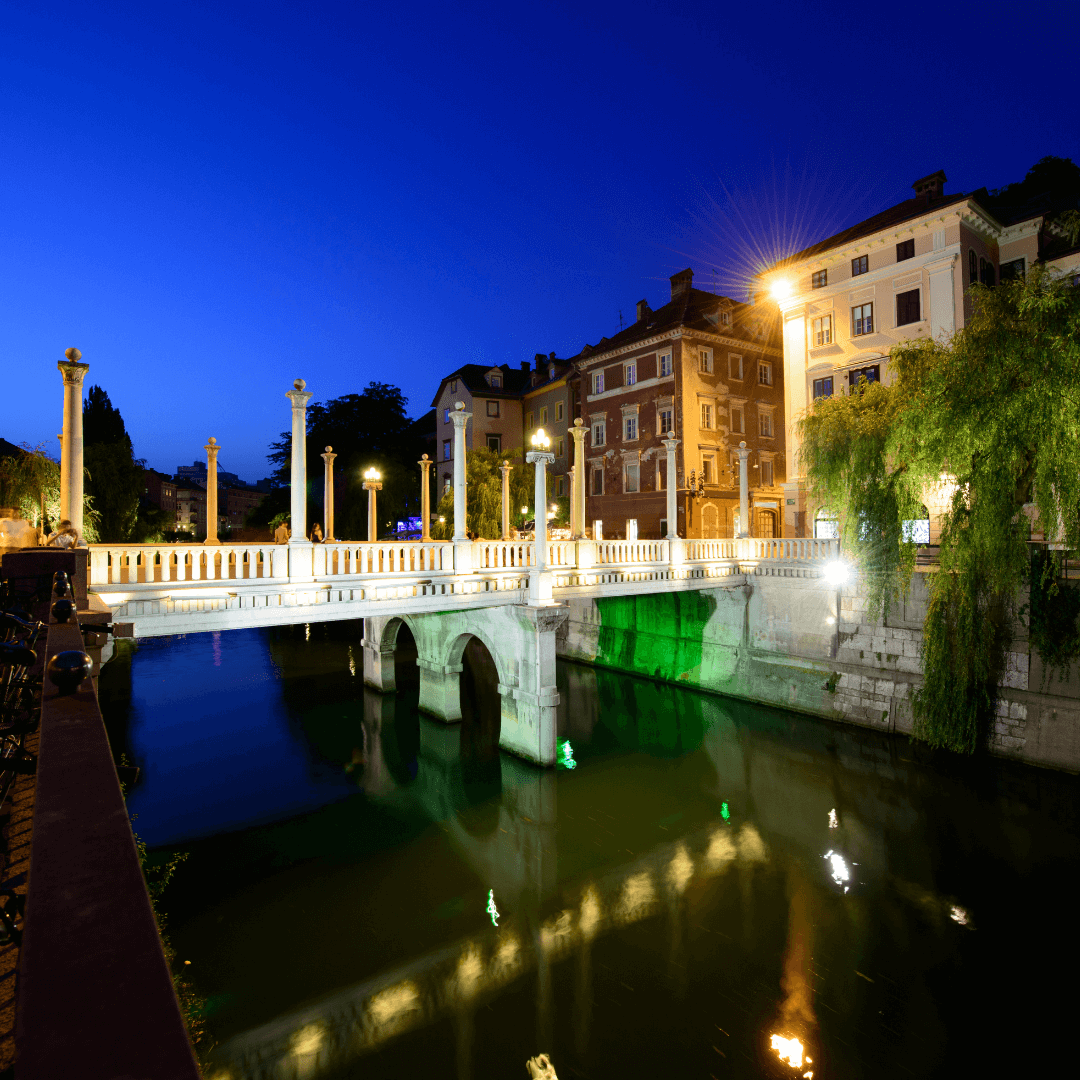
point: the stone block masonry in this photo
(776, 640)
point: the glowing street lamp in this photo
(539, 578)
(781, 289)
(372, 483)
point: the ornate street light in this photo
(539, 578)
(372, 483)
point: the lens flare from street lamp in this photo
(781, 289)
(372, 474)
(836, 573)
(540, 440)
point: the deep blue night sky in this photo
(211, 199)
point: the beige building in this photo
(901, 274)
(548, 402)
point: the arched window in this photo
(987, 275)
(973, 266)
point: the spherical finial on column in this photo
(73, 354)
(424, 457)
(578, 422)
(299, 384)
(329, 450)
(459, 404)
(211, 440)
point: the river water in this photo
(709, 880)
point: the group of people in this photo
(283, 534)
(65, 536)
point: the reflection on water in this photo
(373, 894)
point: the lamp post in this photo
(425, 464)
(539, 578)
(328, 493)
(372, 483)
(211, 449)
(504, 470)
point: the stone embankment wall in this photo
(776, 640)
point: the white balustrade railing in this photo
(115, 564)
(150, 565)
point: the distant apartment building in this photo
(902, 274)
(547, 402)
(160, 490)
(710, 369)
(493, 396)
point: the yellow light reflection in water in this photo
(556, 933)
(680, 870)
(721, 850)
(506, 956)
(470, 969)
(387, 1007)
(790, 1050)
(751, 846)
(308, 1040)
(637, 896)
(589, 916)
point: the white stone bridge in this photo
(446, 593)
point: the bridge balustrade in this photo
(149, 564)
(340, 559)
(502, 554)
(631, 551)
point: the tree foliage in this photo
(114, 476)
(995, 411)
(483, 485)
(365, 430)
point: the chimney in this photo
(643, 311)
(525, 365)
(930, 187)
(681, 282)
(538, 359)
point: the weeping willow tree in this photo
(990, 419)
(30, 485)
(483, 483)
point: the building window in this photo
(708, 469)
(598, 382)
(765, 424)
(446, 416)
(599, 433)
(631, 478)
(528, 421)
(858, 266)
(559, 485)
(862, 320)
(446, 449)
(905, 250)
(823, 388)
(494, 442)
(493, 408)
(664, 422)
(973, 266)
(559, 411)
(446, 483)
(986, 273)
(630, 428)
(630, 374)
(1012, 271)
(705, 360)
(764, 375)
(823, 331)
(560, 447)
(871, 374)
(907, 307)
(664, 364)
(737, 420)
(819, 279)
(543, 415)
(725, 318)
(766, 474)
(598, 481)
(734, 366)
(496, 382)
(453, 386)
(706, 416)
(826, 527)
(661, 473)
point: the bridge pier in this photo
(524, 659)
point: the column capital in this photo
(328, 456)
(425, 462)
(459, 416)
(578, 430)
(212, 447)
(540, 457)
(372, 485)
(743, 451)
(298, 395)
(506, 468)
(670, 442)
(73, 372)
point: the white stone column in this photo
(744, 491)
(372, 483)
(460, 418)
(71, 444)
(581, 473)
(539, 577)
(425, 464)
(298, 478)
(211, 449)
(504, 470)
(328, 494)
(571, 472)
(670, 443)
